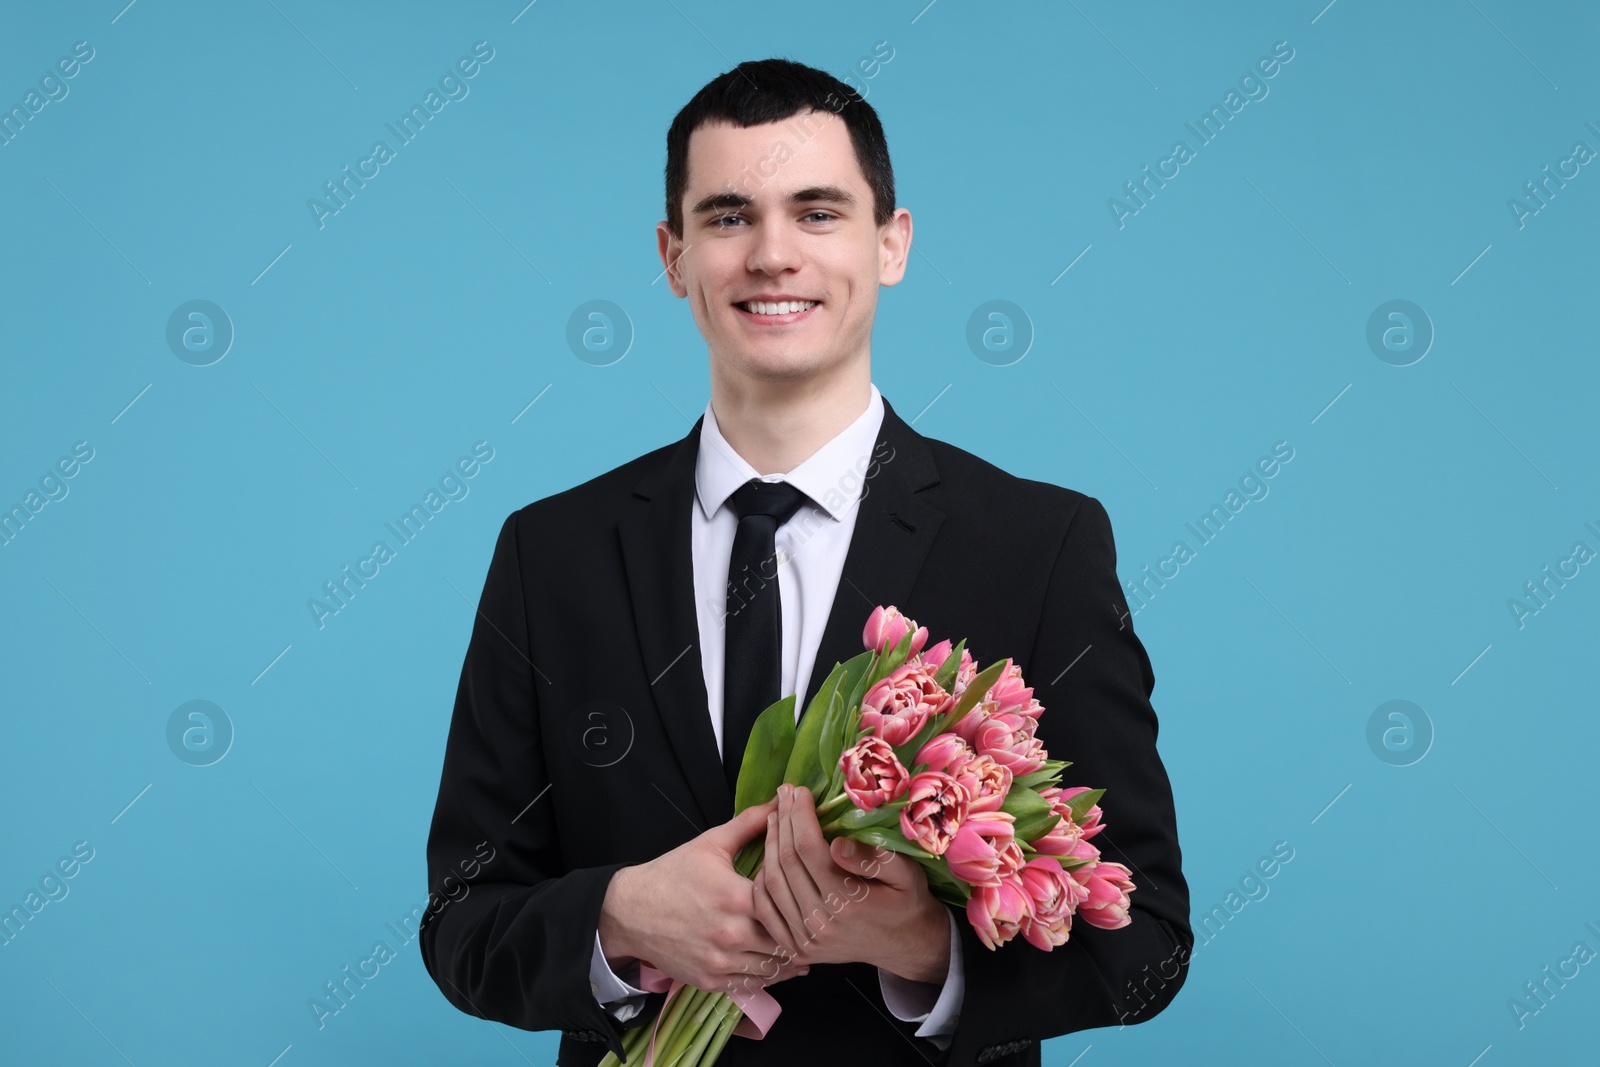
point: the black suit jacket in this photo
(581, 742)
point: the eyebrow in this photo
(825, 194)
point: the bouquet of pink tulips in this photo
(915, 750)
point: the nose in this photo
(775, 248)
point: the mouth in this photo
(776, 312)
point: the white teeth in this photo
(782, 307)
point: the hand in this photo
(690, 915)
(824, 906)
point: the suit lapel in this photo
(659, 563)
(893, 531)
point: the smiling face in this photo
(780, 258)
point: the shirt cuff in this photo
(937, 1008)
(620, 998)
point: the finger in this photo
(731, 835)
(770, 919)
(809, 846)
(877, 863)
(793, 846)
(764, 954)
(752, 971)
(788, 971)
(778, 889)
(860, 865)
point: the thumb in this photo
(732, 835)
(868, 861)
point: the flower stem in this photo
(630, 1042)
(749, 860)
(720, 1038)
(830, 806)
(707, 1030)
(688, 1033)
(637, 1040)
(664, 1027)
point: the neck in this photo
(777, 425)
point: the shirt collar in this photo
(832, 476)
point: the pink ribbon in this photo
(760, 1008)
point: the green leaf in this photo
(975, 689)
(837, 720)
(836, 726)
(806, 765)
(860, 683)
(1024, 802)
(766, 755)
(1043, 776)
(1033, 816)
(891, 840)
(883, 815)
(803, 766)
(1080, 804)
(939, 877)
(945, 676)
(1035, 825)
(855, 670)
(897, 655)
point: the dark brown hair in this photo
(770, 90)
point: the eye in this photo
(823, 215)
(717, 223)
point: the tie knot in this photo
(779, 500)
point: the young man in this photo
(632, 627)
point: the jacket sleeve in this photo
(1093, 677)
(513, 941)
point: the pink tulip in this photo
(1052, 897)
(1006, 736)
(944, 752)
(1063, 838)
(898, 706)
(872, 776)
(886, 628)
(986, 779)
(998, 912)
(936, 806)
(1107, 886)
(974, 852)
(933, 658)
(1090, 823)
(1011, 858)
(1011, 693)
(1083, 850)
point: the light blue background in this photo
(1227, 315)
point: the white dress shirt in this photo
(810, 552)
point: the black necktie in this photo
(753, 636)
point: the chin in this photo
(784, 367)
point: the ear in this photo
(671, 248)
(894, 247)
